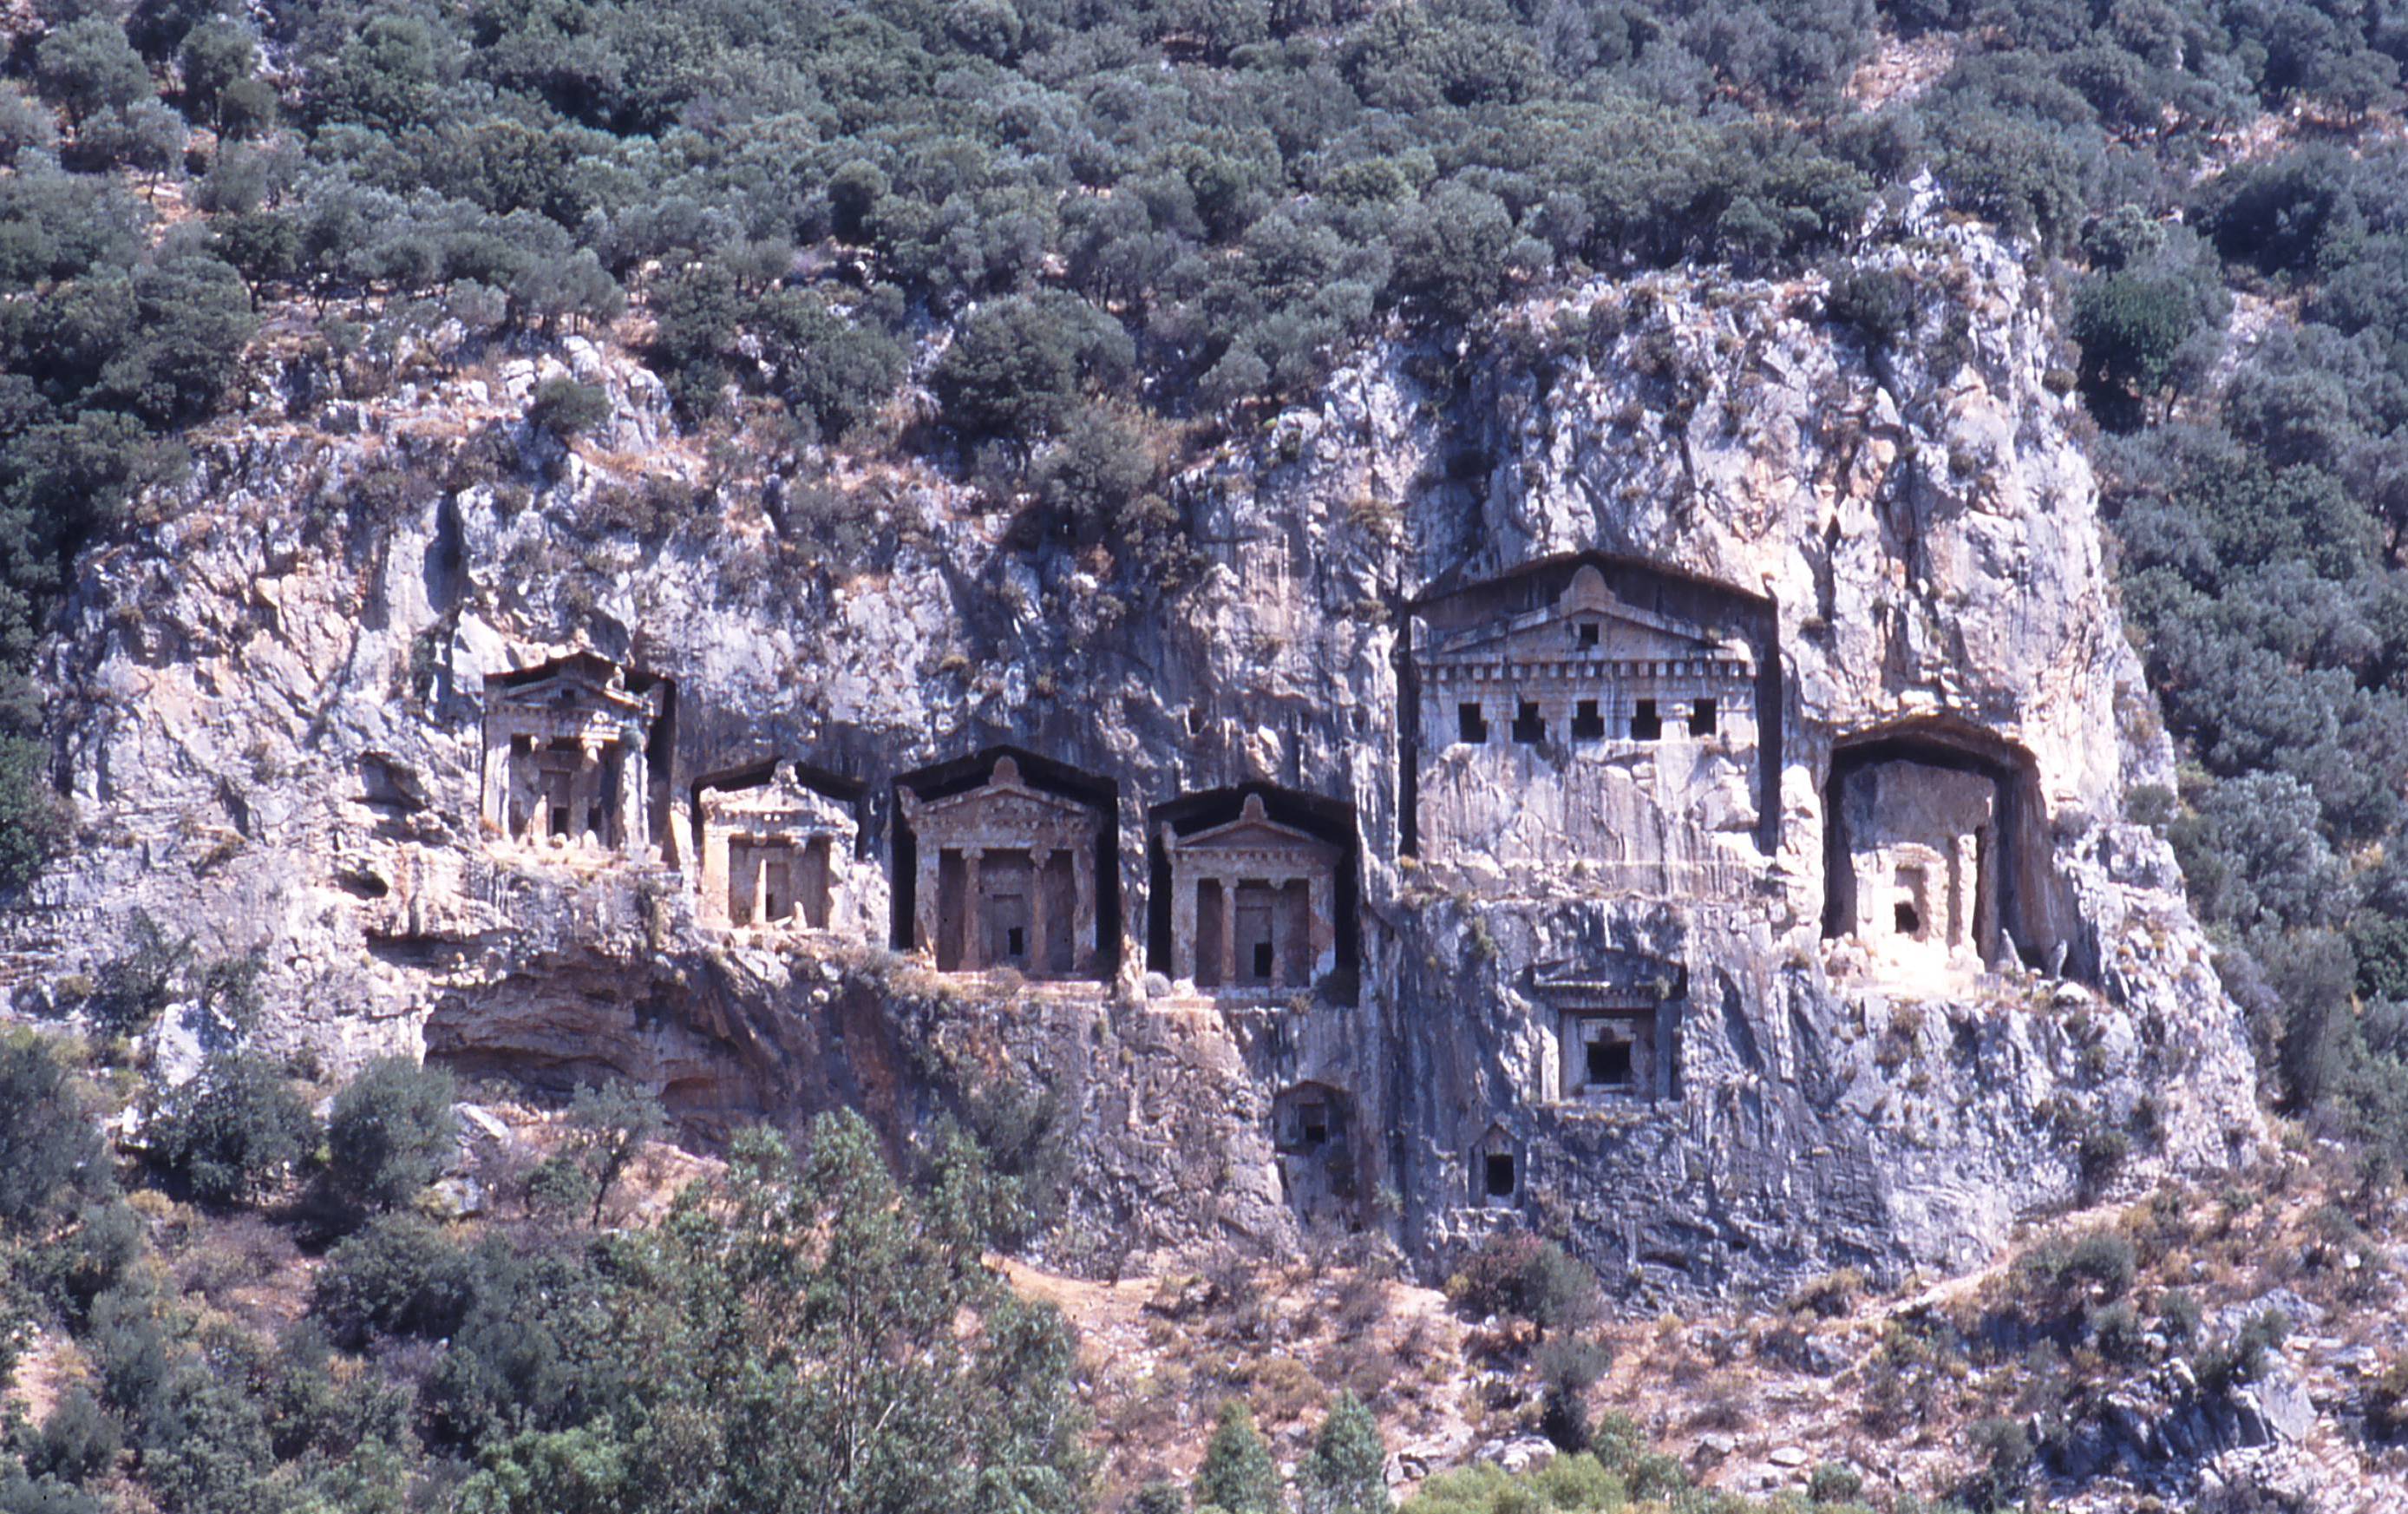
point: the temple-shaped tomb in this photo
(1595, 710)
(1936, 859)
(1617, 1019)
(1004, 870)
(570, 753)
(1253, 900)
(777, 848)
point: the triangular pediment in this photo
(1588, 621)
(1613, 976)
(1004, 798)
(1254, 830)
(581, 683)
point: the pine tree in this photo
(1347, 1472)
(1238, 1476)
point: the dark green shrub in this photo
(2002, 1449)
(567, 408)
(1237, 1474)
(1523, 1275)
(50, 1152)
(1832, 1483)
(236, 1133)
(391, 1132)
(77, 1441)
(396, 1276)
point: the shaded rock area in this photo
(271, 709)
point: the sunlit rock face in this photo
(1658, 771)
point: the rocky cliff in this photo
(270, 706)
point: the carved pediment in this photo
(1611, 977)
(1587, 622)
(1004, 805)
(1253, 831)
(583, 683)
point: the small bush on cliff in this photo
(389, 1134)
(1529, 1277)
(567, 408)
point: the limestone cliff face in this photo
(269, 708)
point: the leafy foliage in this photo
(390, 1132)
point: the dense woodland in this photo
(1137, 222)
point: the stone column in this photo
(715, 874)
(1040, 959)
(1182, 913)
(584, 790)
(973, 911)
(762, 846)
(633, 800)
(1226, 947)
(1082, 916)
(496, 797)
(1321, 905)
(924, 897)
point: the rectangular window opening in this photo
(1498, 1174)
(1263, 960)
(1585, 635)
(1609, 1064)
(1312, 1123)
(1470, 723)
(1587, 724)
(1645, 724)
(1702, 718)
(1015, 942)
(1530, 727)
(560, 820)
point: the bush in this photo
(567, 408)
(1346, 1473)
(1237, 1474)
(2003, 1449)
(391, 1133)
(1525, 1276)
(236, 1133)
(50, 1153)
(1832, 1483)
(79, 1440)
(397, 1276)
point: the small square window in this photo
(1702, 718)
(1471, 726)
(1645, 724)
(1587, 724)
(1498, 1174)
(1585, 635)
(1530, 727)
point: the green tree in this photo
(609, 1127)
(50, 1153)
(823, 1338)
(87, 66)
(217, 55)
(1450, 252)
(1347, 1472)
(235, 1132)
(1237, 1474)
(390, 1133)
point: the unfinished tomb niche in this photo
(1934, 860)
(1312, 1136)
(569, 753)
(1004, 873)
(1496, 1164)
(776, 848)
(1617, 1022)
(1254, 891)
(1570, 709)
